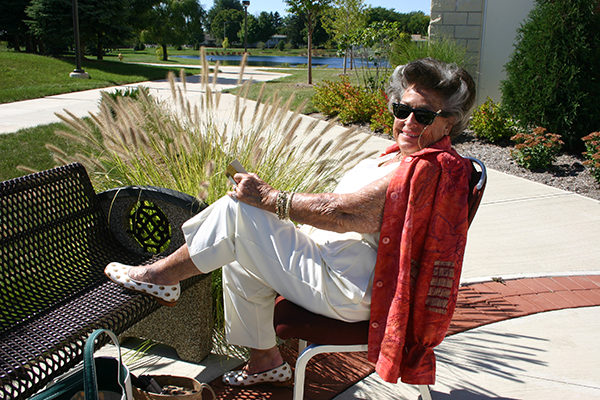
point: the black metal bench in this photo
(56, 237)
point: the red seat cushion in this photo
(293, 321)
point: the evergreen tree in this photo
(13, 28)
(102, 23)
(52, 21)
(553, 79)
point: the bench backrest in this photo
(52, 229)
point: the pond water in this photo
(279, 61)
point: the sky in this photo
(401, 6)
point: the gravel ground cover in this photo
(568, 172)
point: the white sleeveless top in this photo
(351, 256)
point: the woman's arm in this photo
(361, 211)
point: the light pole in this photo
(78, 72)
(246, 3)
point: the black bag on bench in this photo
(105, 378)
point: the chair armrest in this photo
(476, 186)
(147, 219)
(483, 177)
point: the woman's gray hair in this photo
(453, 83)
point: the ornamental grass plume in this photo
(186, 146)
(170, 143)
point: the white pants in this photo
(262, 256)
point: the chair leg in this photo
(301, 345)
(310, 352)
(425, 393)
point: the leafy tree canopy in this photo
(415, 22)
(227, 23)
(175, 22)
(220, 5)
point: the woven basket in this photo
(191, 389)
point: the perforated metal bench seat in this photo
(55, 241)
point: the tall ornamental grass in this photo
(405, 50)
(183, 146)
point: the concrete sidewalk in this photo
(522, 229)
(28, 113)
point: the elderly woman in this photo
(386, 245)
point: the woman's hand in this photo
(252, 190)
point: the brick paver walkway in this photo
(478, 304)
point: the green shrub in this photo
(536, 150)
(281, 45)
(329, 96)
(489, 122)
(592, 155)
(351, 103)
(159, 53)
(382, 119)
(552, 78)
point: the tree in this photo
(344, 18)
(227, 23)
(219, 6)
(101, 23)
(381, 14)
(415, 22)
(418, 23)
(253, 30)
(292, 28)
(175, 22)
(310, 11)
(266, 26)
(52, 21)
(552, 79)
(13, 27)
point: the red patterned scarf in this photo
(419, 261)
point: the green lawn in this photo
(29, 76)
(27, 147)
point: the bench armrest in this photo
(147, 219)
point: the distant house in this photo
(488, 29)
(209, 41)
(274, 40)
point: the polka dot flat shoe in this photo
(167, 295)
(280, 376)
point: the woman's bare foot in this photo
(168, 271)
(263, 360)
(152, 274)
(264, 366)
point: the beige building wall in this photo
(488, 30)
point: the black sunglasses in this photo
(425, 117)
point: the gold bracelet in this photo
(288, 205)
